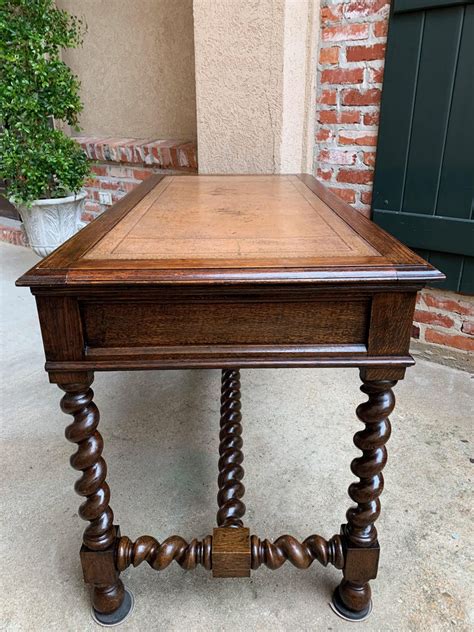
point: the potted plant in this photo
(43, 169)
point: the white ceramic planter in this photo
(49, 223)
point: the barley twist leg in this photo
(300, 554)
(353, 596)
(97, 554)
(231, 472)
(160, 555)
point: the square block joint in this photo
(361, 563)
(98, 567)
(231, 552)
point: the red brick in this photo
(142, 174)
(125, 152)
(15, 236)
(343, 75)
(186, 156)
(365, 8)
(98, 170)
(165, 153)
(324, 174)
(88, 147)
(332, 116)
(448, 304)
(415, 332)
(361, 97)
(345, 32)
(323, 133)
(93, 207)
(110, 185)
(337, 157)
(381, 28)
(365, 53)
(431, 318)
(348, 195)
(464, 343)
(169, 154)
(468, 327)
(355, 176)
(92, 182)
(119, 171)
(332, 13)
(329, 55)
(366, 197)
(375, 75)
(88, 217)
(348, 137)
(371, 118)
(138, 150)
(368, 158)
(328, 97)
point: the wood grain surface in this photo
(232, 219)
(230, 230)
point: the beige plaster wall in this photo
(300, 46)
(238, 84)
(255, 71)
(136, 67)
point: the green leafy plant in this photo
(37, 90)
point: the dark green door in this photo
(424, 175)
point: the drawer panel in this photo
(142, 324)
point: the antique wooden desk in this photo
(228, 272)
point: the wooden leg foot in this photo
(111, 605)
(352, 600)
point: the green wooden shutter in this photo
(424, 173)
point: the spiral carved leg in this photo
(204, 552)
(300, 554)
(231, 472)
(371, 441)
(360, 534)
(97, 553)
(83, 431)
(159, 556)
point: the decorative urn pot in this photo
(50, 222)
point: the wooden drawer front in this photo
(141, 324)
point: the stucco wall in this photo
(254, 78)
(136, 67)
(300, 45)
(238, 84)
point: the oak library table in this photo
(190, 272)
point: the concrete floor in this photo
(161, 444)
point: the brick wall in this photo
(119, 165)
(350, 73)
(445, 318)
(350, 76)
